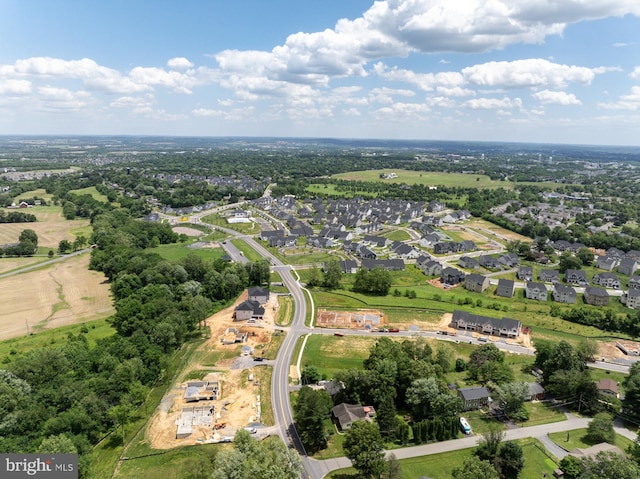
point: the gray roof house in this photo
(482, 324)
(634, 282)
(506, 288)
(631, 299)
(549, 276)
(468, 262)
(476, 282)
(627, 266)
(474, 398)
(596, 296)
(489, 262)
(451, 276)
(535, 291)
(432, 268)
(346, 414)
(607, 280)
(606, 262)
(576, 276)
(248, 310)
(564, 294)
(525, 273)
(261, 295)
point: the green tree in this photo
(600, 429)
(490, 443)
(474, 468)
(363, 445)
(510, 460)
(80, 242)
(310, 375)
(57, 444)
(69, 211)
(311, 410)
(511, 397)
(568, 261)
(586, 256)
(314, 277)
(394, 469)
(332, 274)
(631, 401)
(609, 465)
(572, 467)
(64, 246)
(28, 235)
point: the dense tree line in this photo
(27, 245)
(16, 217)
(74, 394)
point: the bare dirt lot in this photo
(364, 318)
(238, 405)
(187, 231)
(64, 293)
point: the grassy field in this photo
(439, 466)
(425, 178)
(57, 295)
(51, 227)
(570, 440)
(245, 228)
(93, 331)
(178, 251)
(328, 189)
(91, 190)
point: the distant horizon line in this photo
(307, 138)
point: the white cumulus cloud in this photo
(179, 63)
(11, 87)
(549, 97)
(493, 103)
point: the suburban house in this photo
(378, 241)
(388, 264)
(248, 310)
(346, 414)
(631, 299)
(489, 262)
(535, 291)
(576, 276)
(628, 266)
(564, 294)
(525, 273)
(468, 262)
(549, 276)
(596, 296)
(606, 262)
(607, 280)
(474, 398)
(634, 282)
(593, 451)
(510, 260)
(261, 295)
(451, 276)
(608, 387)
(506, 288)
(432, 268)
(482, 324)
(476, 283)
(348, 266)
(536, 392)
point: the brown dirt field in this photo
(62, 294)
(491, 229)
(7, 264)
(51, 228)
(237, 391)
(350, 319)
(609, 350)
(436, 282)
(187, 231)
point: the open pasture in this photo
(64, 293)
(429, 178)
(51, 227)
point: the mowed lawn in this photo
(439, 466)
(56, 295)
(426, 178)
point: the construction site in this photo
(228, 395)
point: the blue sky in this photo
(561, 71)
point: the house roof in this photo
(348, 413)
(258, 291)
(594, 450)
(607, 384)
(471, 394)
